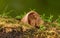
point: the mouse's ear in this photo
(28, 18)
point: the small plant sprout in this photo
(4, 13)
(24, 13)
(58, 19)
(49, 19)
(42, 27)
(20, 16)
(5, 9)
(43, 17)
(32, 9)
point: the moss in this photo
(9, 26)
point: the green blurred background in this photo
(20, 6)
